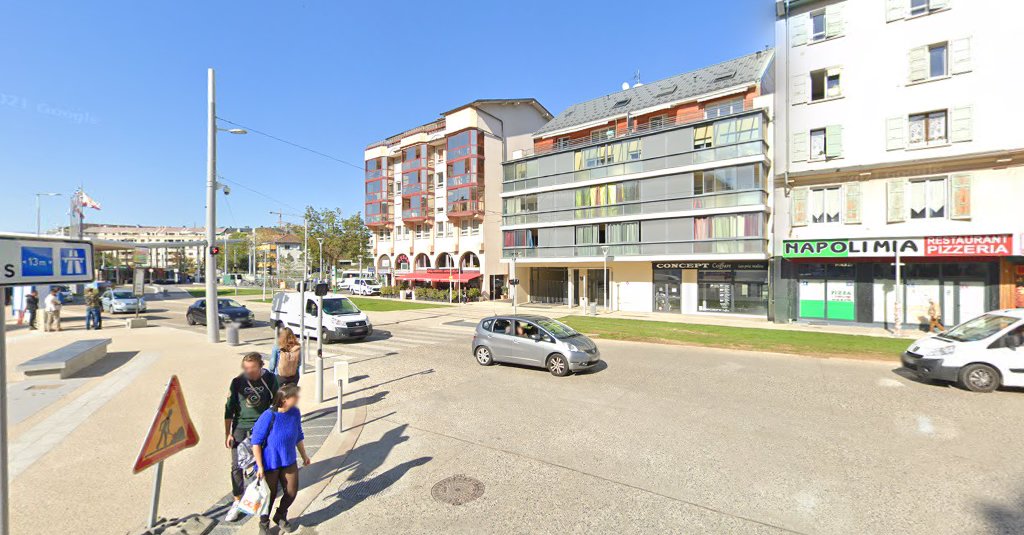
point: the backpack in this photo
(245, 455)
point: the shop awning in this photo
(439, 276)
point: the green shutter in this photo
(798, 89)
(895, 10)
(834, 141)
(896, 212)
(961, 121)
(798, 148)
(960, 196)
(895, 133)
(960, 56)
(834, 20)
(798, 29)
(798, 207)
(918, 61)
(851, 215)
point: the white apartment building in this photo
(433, 194)
(163, 246)
(896, 133)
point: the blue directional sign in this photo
(25, 261)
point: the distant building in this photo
(164, 243)
(277, 252)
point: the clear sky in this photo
(112, 94)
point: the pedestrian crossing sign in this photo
(172, 430)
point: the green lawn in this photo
(387, 305)
(201, 292)
(773, 340)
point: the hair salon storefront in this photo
(854, 280)
(711, 287)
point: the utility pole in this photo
(212, 319)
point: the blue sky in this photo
(112, 94)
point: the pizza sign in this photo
(938, 246)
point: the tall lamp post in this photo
(39, 228)
(604, 251)
(212, 319)
(320, 249)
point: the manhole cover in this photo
(371, 485)
(457, 490)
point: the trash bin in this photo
(232, 334)
(593, 308)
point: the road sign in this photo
(172, 430)
(140, 256)
(139, 283)
(26, 261)
(513, 282)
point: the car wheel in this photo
(979, 378)
(189, 319)
(483, 356)
(557, 365)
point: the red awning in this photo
(439, 276)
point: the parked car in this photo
(115, 301)
(535, 341)
(980, 354)
(64, 294)
(342, 318)
(228, 310)
(365, 287)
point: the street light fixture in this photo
(39, 231)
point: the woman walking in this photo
(289, 357)
(275, 437)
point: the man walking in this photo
(32, 306)
(93, 310)
(934, 317)
(51, 311)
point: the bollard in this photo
(232, 334)
(593, 308)
(341, 378)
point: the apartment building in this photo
(653, 198)
(278, 253)
(163, 246)
(433, 194)
(895, 142)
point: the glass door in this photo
(595, 286)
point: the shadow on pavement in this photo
(389, 381)
(366, 400)
(107, 364)
(1004, 518)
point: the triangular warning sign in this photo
(172, 429)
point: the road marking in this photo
(924, 425)
(890, 383)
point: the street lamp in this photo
(604, 251)
(39, 231)
(212, 319)
(320, 249)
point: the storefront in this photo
(854, 280)
(712, 287)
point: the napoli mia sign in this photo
(937, 246)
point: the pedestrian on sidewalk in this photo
(93, 310)
(275, 437)
(249, 395)
(934, 317)
(32, 305)
(289, 358)
(51, 311)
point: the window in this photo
(610, 233)
(928, 198)
(606, 194)
(817, 144)
(726, 179)
(727, 226)
(918, 7)
(562, 143)
(720, 109)
(824, 84)
(656, 122)
(602, 134)
(824, 204)
(818, 25)
(621, 103)
(440, 179)
(738, 130)
(702, 136)
(928, 128)
(521, 238)
(609, 154)
(937, 60)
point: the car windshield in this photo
(226, 303)
(337, 306)
(366, 281)
(123, 295)
(979, 328)
(557, 328)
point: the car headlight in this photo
(945, 350)
(573, 348)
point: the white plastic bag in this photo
(256, 498)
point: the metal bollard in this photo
(232, 334)
(341, 378)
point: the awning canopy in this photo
(439, 275)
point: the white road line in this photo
(891, 383)
(924, 425)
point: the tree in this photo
(343, 238)
(238, 252)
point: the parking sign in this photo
(44, 261)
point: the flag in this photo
(87, 201)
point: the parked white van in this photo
(981, 354)
(342, 318)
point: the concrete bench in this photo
(67, 360)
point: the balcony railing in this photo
(462, 180)
(461, 208)
(416, 188)
(754, 245)
(379, 219)
(380, 173)
(416, 213)
(678, 204)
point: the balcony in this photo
(412, 189)
(423, 213)
(676, 204)
(380, 220)
(754, 245)
(460, 209)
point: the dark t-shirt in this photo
(31, 302)
(248, 399)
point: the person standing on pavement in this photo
(249, 395)
(934, 317)
(51, 311)
(275, 437)
(289, 357)
(32, 306)
(93, 310)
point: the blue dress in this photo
(279, 446)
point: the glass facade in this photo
(465, 172)
(378, 192)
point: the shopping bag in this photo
(256, 498)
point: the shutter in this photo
(938, 4)
(895, 10)
(798, 29)
(961, 121)
(895, 133)
(798, 89)
(851, 214)
(798, 151)
(834, 20)
(960, 56)
(798, 207)
(834, 141)
(895, 210)
(918, 61)
(960, 193)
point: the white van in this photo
(364, 287)
(981, 354)
(342, 318)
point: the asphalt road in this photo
(669, 439)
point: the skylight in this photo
(666, 89)
(621, 102)
(724, 76)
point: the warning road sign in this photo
(172, 429)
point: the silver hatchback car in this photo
(534, 341)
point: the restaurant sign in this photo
(936, 246)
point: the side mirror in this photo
(535, 337)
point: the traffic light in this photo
(214, 250)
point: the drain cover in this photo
(457, 490)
